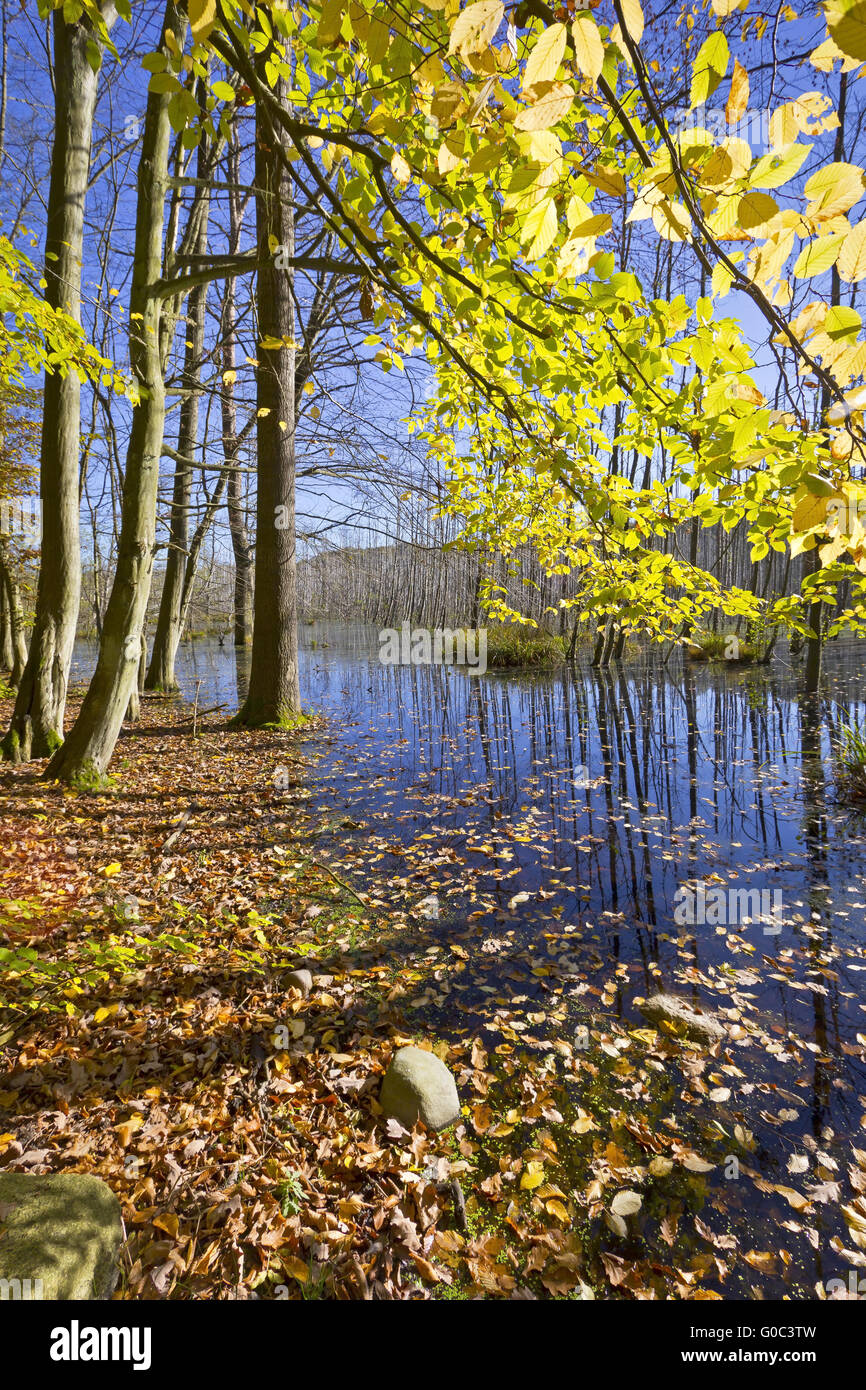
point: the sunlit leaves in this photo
(833, 189)
(588, 47)
(738, 97)
(772, 170)
(852, 257)
(540, 228)
(634, 20)
(671, 220)
(202, 17)
(846, 21)
(549, 107)
(710, 66)
(547, 53)
(755, 212)
(818, 256)
(475, 27)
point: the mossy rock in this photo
(419, 1086)
(61, 1232)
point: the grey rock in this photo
(299, 979)
(693, 1022)
(61, 1232)
(418, 1086)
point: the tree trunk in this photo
(17, 634)
(235, 502)
(169, 623)
(86, 753)
(7, 650)
(274, 695)
(36, 728)
(160, 674)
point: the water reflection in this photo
(584, 801)
(596, 792)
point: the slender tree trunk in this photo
(88, 749)
(169, 623)
(235, 501)
(815, 644)
(17, 634)
(213, 505)
(37, 720)
(160, 674)
(7, 651)
(243, 553)
(274, 695)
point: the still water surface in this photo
(586, 799)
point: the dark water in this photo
(612, 787)
(585, 800)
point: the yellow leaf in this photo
(633, 16)
(111, 869)
(540, 225)
(559, 1211)
(607, 179)
(127, 1128)
(533, 1176)
(550, 107)
(833, 189)
(447, 158)
(810, 511)
(738, 97)
(475, 27)
(202, 17)
(399, 168)
(330, 23)
(543, 62)
(671, 221)
(167, 1222)
(847, 23)
(588, 47)
(852, 258)
(817, 256)
(755, 210)
(595, 225)
(774, 169)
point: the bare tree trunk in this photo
(7, 650)
(86, 753)
(169, 624)
(37, 720)
(274, 694)
(241, 548)
(17, 634)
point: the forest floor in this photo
(147, 1035)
